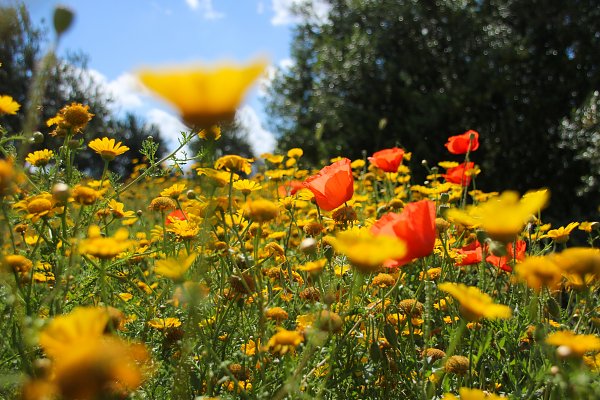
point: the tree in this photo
(20, 51)
(381, 73)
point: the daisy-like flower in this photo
(203, 96)
(475, 305)
(284, 341)
(7, 177)
(39, 158)
(261, 210)
(211, 133)
(107, 148)
(234, 163)
(174, 191)
(174, 268)
(86, 195)
(186, 229)
(164, 323)
(539, 272)
(472, 394)
(39, 206)
(578, 345)
(105, 247)
(217, 178)
(8, 105)
(246, 186)
(561, 235)
(73, 118)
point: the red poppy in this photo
(388, 160)
(459, 174)
(472, 254)
(175, 215)
(290, 188)
(333, 185)
(503, 262)
(415, 225)
(461, 144)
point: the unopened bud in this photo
(424, 163)
(73, 144)
(498, 249)
(554, 370)
(444, 198)
(61, 192)
(563, 351)
(38, 137)
(63, 18)
(190, 194)
(308, 245)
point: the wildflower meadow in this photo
(215, 276)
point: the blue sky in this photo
(120, 36)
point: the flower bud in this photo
(38, 137)
(61, 192)
(190, 194)
(308, 246)
(63, 18)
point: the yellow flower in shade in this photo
(162, 203)
(246, 186)
(284, 341)
(107, 148)
(502, 217)
(577, 344)
(276, 314)
(474, 304)
(203, 96)
(174, 191)
(17, 263)
(580, 261)
(39, 158)
(164, 323)
(234, 163)
(561, 235)
(211, 133)
(472, 394)
(174, 268)
(250, 348)
(105, 247)
(76, 115)
(7, 177)
(8, 105)
(539, 272)
(366, 251)
(86, 195)
(261, 210)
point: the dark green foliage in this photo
(381, 73)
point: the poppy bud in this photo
(38, 137)
(63, 18)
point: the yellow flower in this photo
(173, 191)
(502, 217)
(539, 272)
(107, 148)
(295, 153)
(7, 177)
(85, 195)
(105, 247)
(218, 178)
(164, 323)
(561, 235)
(211, 133)
(162, 203)
(474, 304)
(579, 260)
(8, 105)
(203, 96)
(76, 115)
(39, 206)
(472, 394)
(185, 229)
(261, 210)
(39, 158)
(588, 226)
(577, 344)
(234, 163)
(174, 268)
(313, 267)
(284, 341)
(277, 314)
(246, 186)
(366, 251)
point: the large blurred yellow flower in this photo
(174, 268)
(577, 344)
(502, 217)
(366, 251)
(203, 96)
(472, 394)
(474, 304)
(105, 247)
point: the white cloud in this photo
(266, 80)
(284, 15)
(206, 7)
(261, 140)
